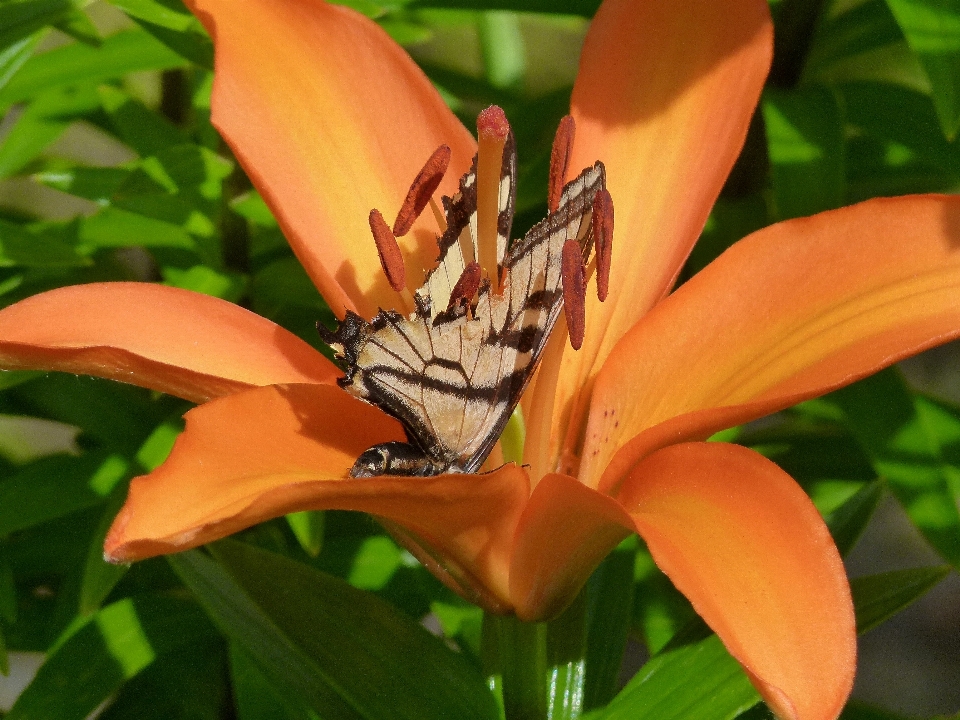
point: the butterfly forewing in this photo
(451, 374)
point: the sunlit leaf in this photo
(932, 29)
(111, 648)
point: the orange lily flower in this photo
(330, 118)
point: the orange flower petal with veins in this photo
(330, 118)
(269, 451)
(179, 342)
(743, 542)
(664, 97)
(791, 312)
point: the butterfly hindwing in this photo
(451, 374)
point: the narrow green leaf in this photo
(115, 227)
(21, 19)
(805, 139)
(21, 247)
(173, 25)
(893, 113)
(77, 25)
(112, 647)
(125, 52)
(610, 596)
(8, 592)
(932, 29)
(326, 640)
(848, 521)
(42, 122)
(4, 660)
(699, 681)
(255, 697)
(879, 597)
(56, 486)
(501, 43)
(13, 57)
(141, 128)
(307, 527)
(99, 576)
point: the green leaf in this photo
(8, 592)
(173, 25)
(56, 486)
(914, 444)
(932, 29)
(114, 227)
(699, 681)
(112, 647)
(255, 697)
(125, 52)
(907, 117)
(848, 522)
(610, 598)
(326, 640)
(78, 26)
(805, 138)
(879, 597)
(307, 526)
(42, 122)
(13, 57)
(142, 129)
(20, 247)
(99, 576)
(20, 19)
(206, 280)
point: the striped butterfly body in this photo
(453, 371)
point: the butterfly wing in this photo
(451, 375)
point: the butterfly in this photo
(454, 370)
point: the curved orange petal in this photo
(791, 312)
(664, 97)
(269, 451)
(742, 541)
(565, 531)
(330, 118)
(179, 342)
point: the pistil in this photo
(492, 131)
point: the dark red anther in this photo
(466, 286)
(422, 189)
(603, 239)
(560, 160)
(574, 291)
(390, 258)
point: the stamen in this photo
(574, 291)
(422, 189)
(492, 131)
(603, 239)
(559, 160)
(466, 286)
(390, 258)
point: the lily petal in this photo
(176, 341)
(664, 98)
(565, 531)
(742, 541)
(269, 451)
(330, 118)
(789, 313)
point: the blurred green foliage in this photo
(111, 170)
